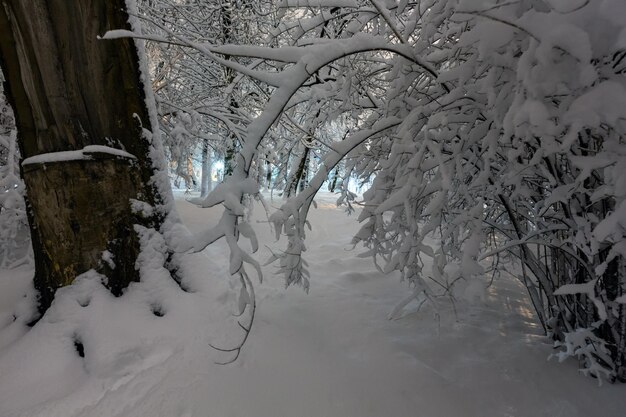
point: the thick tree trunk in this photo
(71, 91)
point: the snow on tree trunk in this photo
(297, 176)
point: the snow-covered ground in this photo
(331, 352)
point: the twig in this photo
(245, 281)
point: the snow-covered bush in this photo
(525, 155)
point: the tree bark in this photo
(207, 167)
(70, 90)
(232, 144)
(268, 174)
(333, 183)
(297, 177)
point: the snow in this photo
(331, 352)
(605, 102)
(588, 288)
(566, 6)
(84, 153)
(613, 10)
(320, 3)
(613, 225)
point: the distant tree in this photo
(203, 106)
(496, 126)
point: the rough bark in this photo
(70, 90)
(80, 209)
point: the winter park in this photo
(309, 208)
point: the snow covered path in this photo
(331, 352)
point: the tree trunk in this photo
(207, 167)
(333, 183)
(268, 174)
(304, 176)
(71, 91)
(297, 176)
(191, 183)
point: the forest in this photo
(443, 183)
